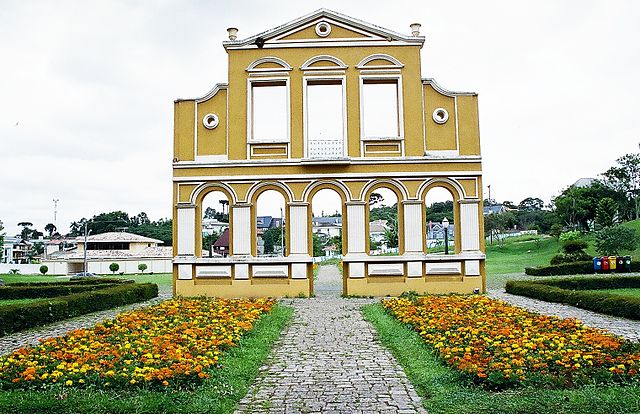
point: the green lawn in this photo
(520, 252)
(219, 394)
(622, 292)
(7, 278)
(444, 391)
(18, 301)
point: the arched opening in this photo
(383, 222)
(327, 234)
(441, 221)
(214, 225)
(270, 224)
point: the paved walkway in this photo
(32, 337)
(329, 361)
(626, 328)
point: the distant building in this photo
(126, 249)
(15, 250)
(329, 226)
(494, 209)
(213, 225)
(584, 182)
(221, 246)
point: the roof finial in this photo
(233, 33)
(415, 29)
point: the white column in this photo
(298, 227)
(469, 227)
(413, 225)
(241, 228)
(355, 225)
(186, 227)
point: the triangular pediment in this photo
(324, 27)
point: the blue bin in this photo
(597, 264)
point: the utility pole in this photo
(55, 212)
(86, 233)
(281, 233)
(489, 187)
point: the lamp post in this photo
(445, 226)
(281, 233)
(86, 233)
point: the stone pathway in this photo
(626, 328)
(330, 361)
(32, 337)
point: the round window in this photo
(323, 29)
(440, 115)
(210, 121)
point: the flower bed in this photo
(174, 344)
(499, 346)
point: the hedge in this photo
(18, 317)
(575, 268)
(32, 292)
(560, 291)
(84, 281)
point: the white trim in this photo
(353, 161)
(323, 71)
(211, 158)
(268, 73)
(339, 64)
(268, 59)
(305, 84)
(447, 179)
(329, 42)
(441, 153)
(329, 15)
(249, 131)
(443, 91)
(204, 186)
(398, 79)
(394, 63)
(217, 88)
(257, 186)
(347, 193)
(388, 182)
(377, 71)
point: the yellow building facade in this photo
(386, 127)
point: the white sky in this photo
(87, 90)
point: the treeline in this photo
(120, 221)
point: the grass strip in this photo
(444, 391)
(218, 394)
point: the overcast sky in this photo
(87, 90)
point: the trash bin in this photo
(597, 264)
(605, 264)
(627, 263)
(612, 263)
(620, 264)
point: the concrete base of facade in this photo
(243, 288)
(394, 286)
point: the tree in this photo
(44, 269)
(611, 241)
(337, 242)
(224, 203)
(142, 267)
(437, 211)
(625, 178)
(208, 240)
(576, 206)
(375, 198)
(497, 224)
(606, 212)
(531, 204)
(114, 267)
(509, 204)
(391, 234)
(317, 245)
(272, 239)
(50, 228)
(26, 231)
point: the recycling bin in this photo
(605, 264)
(612, 263)
(597, 264)
(627, 263)
(620, 264)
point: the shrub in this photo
(569, 258)
(32, 292)
(574, 246)
(114, 267)
(142, 267)
(586, 297)
(14, 271)
(18, 317)
(612, 240)
(576, 268)
(44, 269)
(569, 235)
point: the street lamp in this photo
(445, 226)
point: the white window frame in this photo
(382, 77)
(250, 140)
(305, 83)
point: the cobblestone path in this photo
(329, 361)
(626, 328)
(32, 337)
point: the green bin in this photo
(627, 263)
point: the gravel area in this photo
(626, 328)
(33, 336)
(330, 361)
